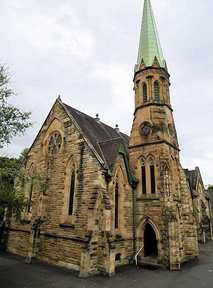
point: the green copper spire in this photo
(149, 46)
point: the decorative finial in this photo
(59, 97)
(116, 128)
(97, 117)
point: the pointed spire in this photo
(149, 46)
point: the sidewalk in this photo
(15, 273)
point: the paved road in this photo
(15, 273)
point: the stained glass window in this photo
(54, 143)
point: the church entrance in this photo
(150, 242)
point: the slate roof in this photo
(109, 149)
(210, 192)
(103, 138)
(195, 178)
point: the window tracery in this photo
(54, 143)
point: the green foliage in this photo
(9, 200)
(13, 122)
(23, 155)
(15, 184)
(210, 187)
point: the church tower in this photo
(165, 225)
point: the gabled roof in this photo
(195, 178)
(104, 140)
(149, 45)
(210, 192)
(110, 150)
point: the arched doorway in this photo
(150, 242)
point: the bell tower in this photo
(163, 192)
(153, 122)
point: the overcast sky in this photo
(85, 51)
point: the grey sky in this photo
(85, 51)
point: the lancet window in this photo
(157, 91)
(143, 172)
(72, 190)
(116, 204)
(144, 93)
(152, 177)
(32, 180)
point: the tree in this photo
(210, 187)
(23, 155)
(11, 200)
(14, 183)
(13, 122)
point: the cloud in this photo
(86, 51)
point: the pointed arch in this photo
(141, 170)
(152, 169)
(118, 197)
(146, 173)
(54, 138)
(141, 229)
(150, 159)
(154, 225)
(69, 191)
(150, 242)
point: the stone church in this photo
(112, 199)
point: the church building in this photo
(113, 199)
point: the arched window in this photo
(152, 177)
(32, 174)
(116, 204)
(70, 185)
(72, 189)
(30, 195)
(119, 204)
(157, 91)
(143, 172)
(144, 93)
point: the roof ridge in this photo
(109, 140)
(100, 122)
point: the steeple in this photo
(149, 45)
(162, 196)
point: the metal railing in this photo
(136, 255)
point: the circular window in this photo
(145, 129)
(54, 143)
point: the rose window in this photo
(54, 143)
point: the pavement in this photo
(15, 273)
